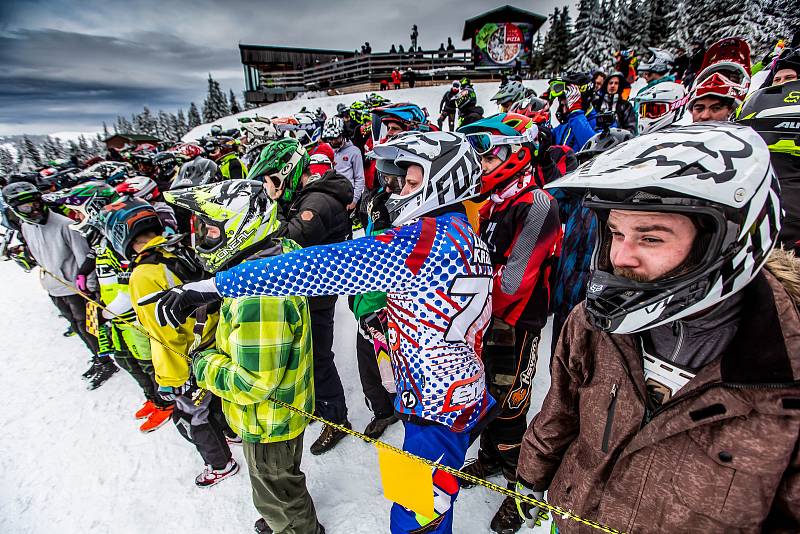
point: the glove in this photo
(80, 283)
(573, 98)
(189, 389)
(530, 513)
(175, 305)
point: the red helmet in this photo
(516, 152)
(719, 86)
(187, 151)
(533, 107)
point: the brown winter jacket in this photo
(720, 456)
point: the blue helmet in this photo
(123, 221)
(410, 116)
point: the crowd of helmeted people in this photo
(653, 222)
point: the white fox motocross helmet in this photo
(716, 173)
(451, 172)
(658, 106)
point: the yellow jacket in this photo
(171, 346)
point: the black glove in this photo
(175, 305)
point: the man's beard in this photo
(630, 274)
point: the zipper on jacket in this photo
(612, 407)
(677, 330)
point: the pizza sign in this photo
(502, 43)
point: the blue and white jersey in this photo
(438, 278)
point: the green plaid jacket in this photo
(263, 350)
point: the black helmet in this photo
(773, 113)
(166, 163)
(25, 200)
(601, 142)
(199, 171)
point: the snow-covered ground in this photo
(74, 461)
(426, 97)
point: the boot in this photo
(157, 418)
(69, 332)
(262, 527)
(507, 519)
(328, 439)
(146, 410)
(378, 426)
(480, 467)
(90, 372)
(211, 476)
(105, 370)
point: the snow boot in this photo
(105, 370)
(328, 439)
(92, 370)
(146, 410)
(507, 519)
(69, 332)
(157, 418)
(211, 476)
(261, 527)
(480, 468)
(378, 426)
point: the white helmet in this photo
(333, 128)
(716, 173)
(139, 186)
(660, 61)
(259, 131)
(657, 105)
(451, 171)
(309, 129)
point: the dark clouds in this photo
(71, 65)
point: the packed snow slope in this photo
(426, 97)
(74, 461)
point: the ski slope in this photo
(426, 97)
(74, 461)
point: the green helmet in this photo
(240, 210)
(87, 199)
(285, 158)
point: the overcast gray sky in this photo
(71, 65)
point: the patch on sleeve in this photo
(307, 215)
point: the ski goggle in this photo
(557, 88)
(200, 233)
(29, 207)
(392, 182)
(653, 110)
(486, 143)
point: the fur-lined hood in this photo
(785, 266)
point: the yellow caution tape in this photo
(564, 514)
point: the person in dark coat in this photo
(611, 97)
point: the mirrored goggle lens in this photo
(481, 143)
(29, 207)
(653, 110)
(557, 88)
(391, 182)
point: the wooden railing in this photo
(361, 69)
